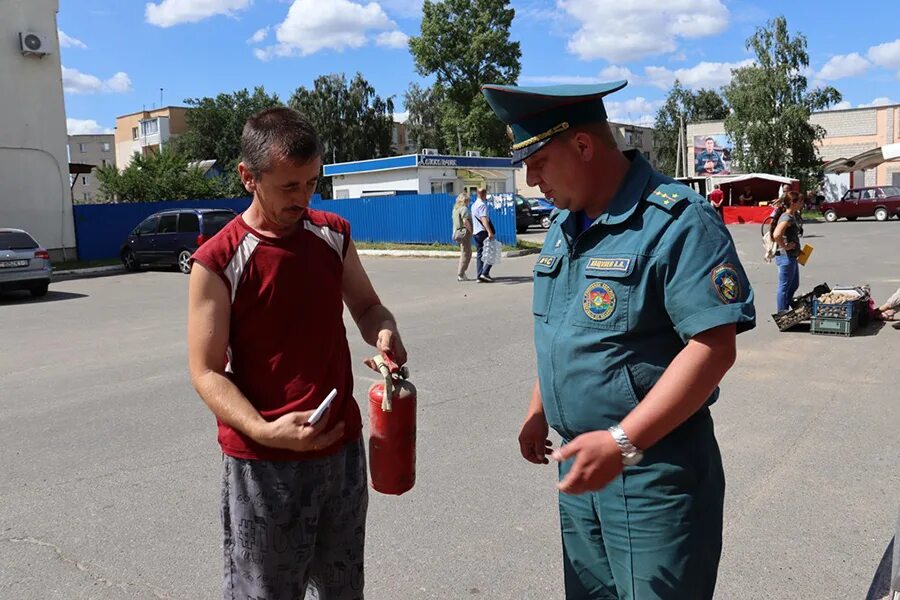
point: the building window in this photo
(341, 194)
(150, 127)
(104, 162)
(82, 148)
(496, 187)
(86, 196)
(84, 180)
(134, 133)
(441, 187)
(634, 137)
(106, 146)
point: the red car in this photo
(880, 202)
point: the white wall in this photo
(356, 183)
(34, 170)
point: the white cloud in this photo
(403, 8)
(844, 65)
(392, 39)
(174, 12)
(702, 75)
(636, 111)
(67, 41)
(259, 36)
(614, 73)
(558, 79)
(842, 105)
(76, 82)
(886, 55)
(880, 101)
(85, 126)
(401, 117)
(311, 26)
(626, 30)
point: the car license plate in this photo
(9, 264)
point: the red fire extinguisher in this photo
(392, 430)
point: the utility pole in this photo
(160, 97)
(678, 151)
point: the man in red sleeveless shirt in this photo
(266, 345)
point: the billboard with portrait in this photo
(712, 155)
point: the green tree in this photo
(771, 107)
(156, 176)
(353, 121)
(683, 106)
(465, 44)
(423, 126)
(215, 126)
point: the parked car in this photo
(24, 264)
(880, 202)
(524, 216)
(170, 237)
(541, 209)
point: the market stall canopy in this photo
(763, 186)
(865, 160)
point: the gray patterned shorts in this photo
(295, 530)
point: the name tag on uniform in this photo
(608, 265)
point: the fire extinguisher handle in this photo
(385, 371)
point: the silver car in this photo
(24, 264)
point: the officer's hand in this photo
(292, 432)
(533, 442)
(597, 461)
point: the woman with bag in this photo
(786, 230)
(462, 234)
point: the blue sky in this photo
(117, 54)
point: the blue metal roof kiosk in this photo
(421, 174)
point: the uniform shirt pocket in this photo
(604, 292)
(546, 270)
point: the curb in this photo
(438, 253)
(88, 272)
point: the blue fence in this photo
(100, 229)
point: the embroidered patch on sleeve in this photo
(727, 283)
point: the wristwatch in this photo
(631, 454)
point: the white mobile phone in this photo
(314, 418)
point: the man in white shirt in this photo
(484, 230)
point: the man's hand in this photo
(391, 348)
(292, 432)
(597, 461)
(533, 441)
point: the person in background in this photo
(484, 230)
(888, 310)
(717, 198)
(746, 198)
(785, 230)
(462, 234)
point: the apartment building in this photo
(147, 131)
(93, 149)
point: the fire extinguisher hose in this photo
(385, 371)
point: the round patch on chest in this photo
(727, 283)
(599, 301)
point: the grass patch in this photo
(85, 264)
(811, 215)
(520, 245)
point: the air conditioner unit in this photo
(429, 151)
(473, 153)
(33, 43)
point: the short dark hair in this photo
(709, 139)
(279, 132)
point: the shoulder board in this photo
(669, 195)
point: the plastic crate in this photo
(827, 326)
(787, 319)
(843, 311)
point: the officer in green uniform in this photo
(638, 297)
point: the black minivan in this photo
(170, 237)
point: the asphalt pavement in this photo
(111, 472)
